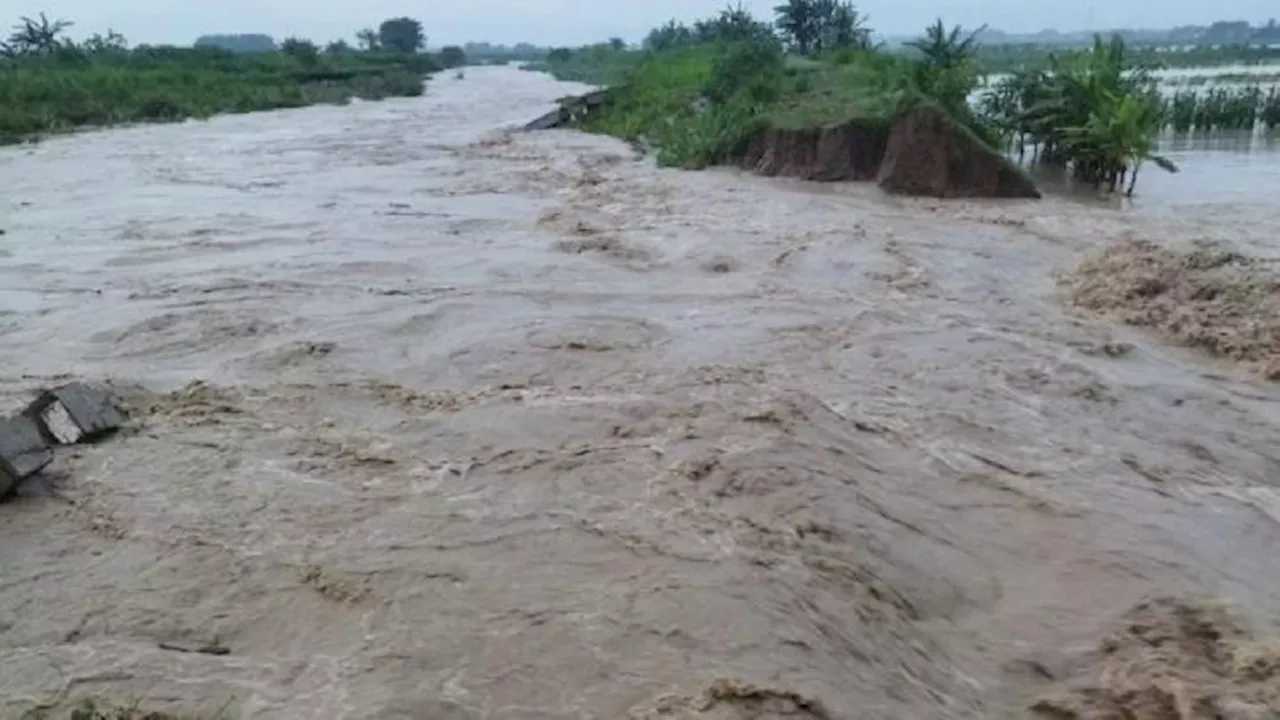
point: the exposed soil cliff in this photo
(851, 151)
(929, 154)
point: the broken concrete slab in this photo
(553, 119)
(573, 108)
(75, 413)
(23, 452)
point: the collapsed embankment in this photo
(851, 151)
(920, 151)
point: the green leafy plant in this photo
(1096, 114)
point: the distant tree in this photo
(667, 36)
(337, 47)
(243, 43)
(560, 55)
(733, 24)
(368, 39)
(112, 42)
(800, 24)
(846, 27)
(304, 50)
(401, 34)
(452, 56)
(811, 26)
(617, 44)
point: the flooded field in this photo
(1217, 172)
(436, 420)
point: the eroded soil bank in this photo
(442, 422)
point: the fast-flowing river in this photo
(443, 421)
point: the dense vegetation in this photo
(695, 93)
(50, 84)
(244, 42)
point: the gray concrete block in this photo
(76, 413)
(23, 452)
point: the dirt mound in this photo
(1210, 297)
(929, 154)
(1175, 661)
(851, 151)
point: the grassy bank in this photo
(696, 100)
(65, 86)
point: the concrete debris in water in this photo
(65, 415)
(570, 110)
(76, 413)
(23, 452)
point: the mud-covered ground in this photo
(437, 421)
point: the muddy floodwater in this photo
(435, 420)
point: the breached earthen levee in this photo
(920, 151)
(930, 154)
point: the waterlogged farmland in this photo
(1220, 125)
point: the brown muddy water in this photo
(447, 422)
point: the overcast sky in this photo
(574, 22)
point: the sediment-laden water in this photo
(440, 421)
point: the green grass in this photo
(696, 104)
(43, 95)
(862, 87)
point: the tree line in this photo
(807, 27)
(402, 35)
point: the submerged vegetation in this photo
(1011, 58)
(49, 83)
(696, 93)
(1239, 108)
(1092, 112)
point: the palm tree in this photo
(32, 37)
(946, 70)
(946, 50)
